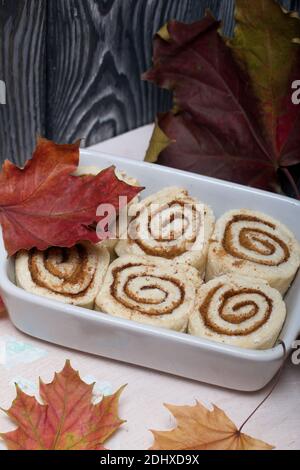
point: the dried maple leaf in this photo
(222, 123)
(43, 205)
(201, 429)
(67, 421)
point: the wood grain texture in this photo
(97, 51)
(22, 67)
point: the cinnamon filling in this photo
(235, 318)
(75, 274)
(155, 284)
(251, 239)
(165, 251)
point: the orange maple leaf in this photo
(67, 421)
(201, 429)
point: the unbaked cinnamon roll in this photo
(69, 275)
(170, 225)
(149, 291)
(253, 244)
(238, 311)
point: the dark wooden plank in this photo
(97, 51)
(22, 67)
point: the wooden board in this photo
(22, 68)
(98, 51)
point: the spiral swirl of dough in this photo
(149, 291)
(67, 271)
(169, 230)
(71, 275)
(170, 225)
(239, 310)
(255, 239)
(253, 244)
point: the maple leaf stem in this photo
(292, 182)
(275, 383)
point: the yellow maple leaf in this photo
(201, 429)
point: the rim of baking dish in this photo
(164, 169)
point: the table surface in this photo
(25, 359)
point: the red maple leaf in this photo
(43, 205)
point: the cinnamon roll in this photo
(238, 311)
(94, 170)
(149, 291)
(69, 275)
(253, 244)
(121, 175)
(170, 225)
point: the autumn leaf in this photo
(43, 205)
(267, 45)
(213, 128)
(220, 124)
(67, 420)
(201, 429)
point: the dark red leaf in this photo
(216, 127)
(43, 205)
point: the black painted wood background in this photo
(23, 68)
(72, 67)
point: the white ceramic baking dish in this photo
(151, 347)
